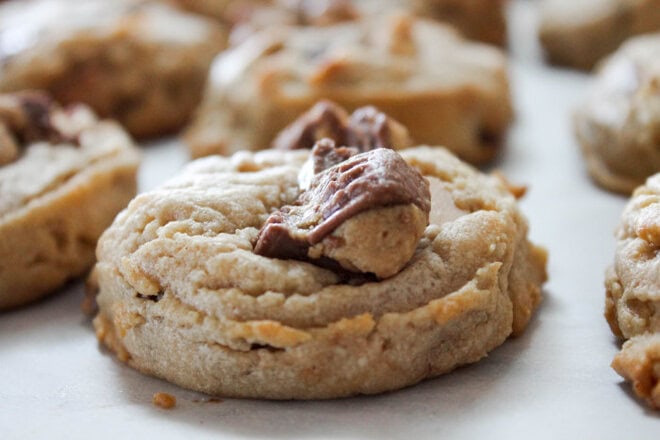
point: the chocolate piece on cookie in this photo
(632, 305)
(229, 321)
(444, 89)
(580, 33)
(66, 178)
(366, 129)
(120, 57)
(618, 125)
(342, 197)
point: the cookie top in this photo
(394, 61)
(618, 125)
(633, 283)
(42, 146)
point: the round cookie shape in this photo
(618, 125)
(632, 304)
(446, 90)
(64, 175)
(183, 296)
(580, 33)
(120, 57)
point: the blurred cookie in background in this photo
(580, 33)
(446, 90)
(122, 58)
(64, 175)
(618, 125)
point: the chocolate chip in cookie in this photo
(32, 116)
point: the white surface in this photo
(553, 382)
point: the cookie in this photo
(632, 306)
(119, 57)
(481, 20)
(580, 33)
(290, 274)
(446, 90)
(64, 175)
(618, 125)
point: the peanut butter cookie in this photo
(618, 126)
(580, 33)
(290, 274)
(446, 90)
(120, 57)
(64, 176)
(632, 306)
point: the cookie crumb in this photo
(164, 400)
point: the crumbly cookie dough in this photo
(632, 305)
(184, 297)
(447, 91)
(618, 125)
(120, 57)
(580, 33)
(70, 175)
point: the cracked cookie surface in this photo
(632, 304)
(184, 297)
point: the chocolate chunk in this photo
(25, 118)
(369, 180)
(366, 129)
(326, 155)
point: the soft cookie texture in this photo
(120, 57)
(580, 33)
(183, 296)
(618, 125)
(69, 176)
(632, 306)
(447, 91)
